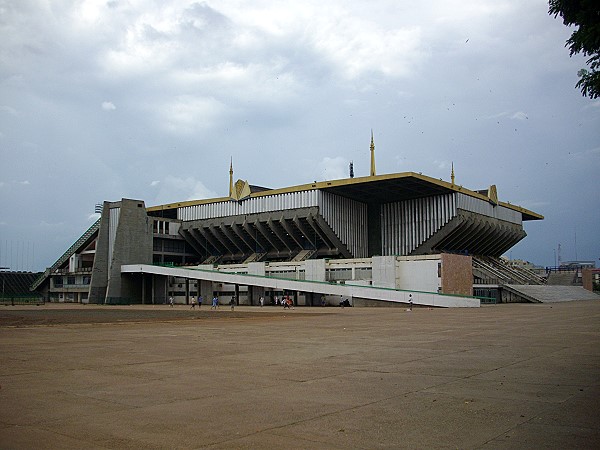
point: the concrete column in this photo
(152, 288)
(143, 288)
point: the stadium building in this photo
(402, 237)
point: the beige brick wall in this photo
(587, 277)
(457, 274)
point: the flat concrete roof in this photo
(504, 376)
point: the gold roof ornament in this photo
(373, 173)
(493, 194)
(231, 178)
(241, 190)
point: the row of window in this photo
(71, 281)
(168, 245)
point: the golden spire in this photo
(452, 173)
(231, 178)
(372, 155)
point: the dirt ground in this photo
(503, 376)
(65, 314)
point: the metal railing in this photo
(22, 300)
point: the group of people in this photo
(193, 302)
(286, 302)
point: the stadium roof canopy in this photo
(379, 189)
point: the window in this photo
(70, 280)
(58, 281)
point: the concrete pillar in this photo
(374, 228)
(143, 288)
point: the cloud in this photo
(333, 168)
(520, 115)
(441, 164)
(9, 110)
(281, 87)
(46, 224)
(174, 188)
(188, 114)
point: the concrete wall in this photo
(314, 270)
(457, 274)
(420, 274)
(99, 280)
(384, 271)
(510, 297)
(132, 244)
(587, 278)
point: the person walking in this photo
(261, 300)
(200, 301)
(215, 302)
(171, 301)
(232, 302)
(193, 302)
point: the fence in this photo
(21, 300)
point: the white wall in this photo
(419, 275)
(384, 271)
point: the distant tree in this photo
(585, 14)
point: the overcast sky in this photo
(101, 100)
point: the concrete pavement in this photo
(503, 376)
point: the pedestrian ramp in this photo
(316, 287)
(550, 294)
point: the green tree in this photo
(585, 14)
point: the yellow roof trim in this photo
(348, 182)
(187, 203)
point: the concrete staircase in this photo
(254, 257)
(487, 268)
(550, 294)
(303, 255)
(566, 278)
(214, 259)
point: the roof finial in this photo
(452, 173)
(231, 178)
(372, 155)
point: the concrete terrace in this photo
(502, 376)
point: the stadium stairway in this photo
(550, 294)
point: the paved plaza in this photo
(502, 376)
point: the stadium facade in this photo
(401, 231)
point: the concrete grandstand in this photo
(400, 238)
